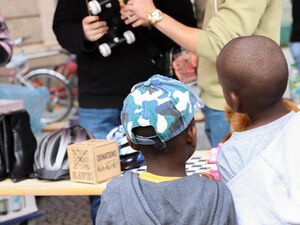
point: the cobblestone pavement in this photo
(61, 210)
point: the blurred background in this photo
(33, 19)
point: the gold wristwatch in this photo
(154, 16)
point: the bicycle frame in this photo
(61, 99)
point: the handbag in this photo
(17, 146)
(3, 172)
(162, 59)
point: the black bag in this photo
(17, 146)
(3, 171)
(164, 61)
(161, 58)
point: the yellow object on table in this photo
(49, 188)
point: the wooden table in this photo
(56, 188)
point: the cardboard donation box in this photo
(94, 161)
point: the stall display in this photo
(13, 207)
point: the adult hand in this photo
(130, 18)
(93, 28)
(140, 8)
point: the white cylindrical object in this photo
(104, 49)
(94, 7)
(129, 37)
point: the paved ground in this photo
(64, 210)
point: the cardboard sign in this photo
(93, 161)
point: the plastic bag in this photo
(34, 100)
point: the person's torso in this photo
(269, 25)
(243, 147)
(191, 200)
(109, 79)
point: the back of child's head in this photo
(255, 69)
(157, 111)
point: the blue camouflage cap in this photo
(165, 104)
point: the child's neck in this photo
(168, 169)
(268, 115)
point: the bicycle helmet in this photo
(129, 158)
(50, 159)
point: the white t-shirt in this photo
(242, 147)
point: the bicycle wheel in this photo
(60, 101)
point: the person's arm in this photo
(182, 12)
(230, 208)
(104, 216)
(5, 43)
(233, 19)
(75, 30)
(183, 35)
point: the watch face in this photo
(156, 14)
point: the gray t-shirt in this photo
(243, 147)
(191, 200)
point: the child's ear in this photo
(236, 102)
(132, 145)
(192, 135)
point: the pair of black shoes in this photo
(17, 146)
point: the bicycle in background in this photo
(60, 102)
(68, 68)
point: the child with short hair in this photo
(260, 165)
(158, 118)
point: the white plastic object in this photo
(16, 203)
(129, 37)
(104, 49)
(116, 40)
(108, 5)
(213, 154)
(214, 172)
(94, 7)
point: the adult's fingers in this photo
(125, 14)
(131, 19)
(90, 19)
(93, 35)
(97, 25)
(98, 36)
(140, 8)
(139, 22)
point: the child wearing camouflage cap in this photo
(158, 118)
